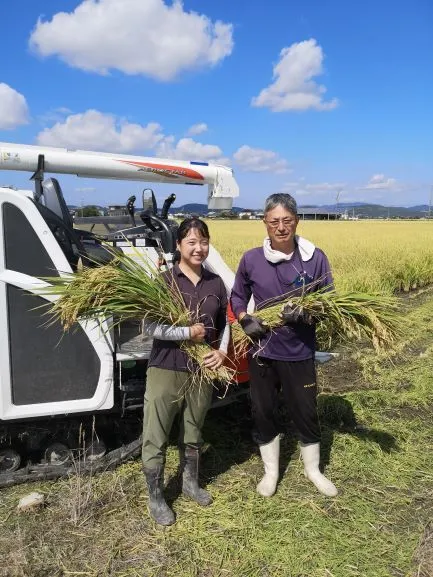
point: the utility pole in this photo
(337, 198)
(430, 201)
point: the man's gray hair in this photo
(281, 199)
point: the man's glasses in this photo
(284, 221)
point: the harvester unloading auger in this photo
(79, 394)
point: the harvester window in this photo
(24, 251)
(64, 236)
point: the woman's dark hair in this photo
(189, 223)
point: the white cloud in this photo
(290, 185)
(293, 87)
(54, 115)
(378, 188)
(146, 37)
(380, 182)
(296, 188)
(326, 186)
(94, 130)
(189, 149)
(13, 108)
(197, 129)
(63, 110)
(302, 192)
(301, 188)
(260, 160)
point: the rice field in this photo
(383, 256)
(376, 416)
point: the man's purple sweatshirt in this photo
(264, 280)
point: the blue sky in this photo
(311, 97)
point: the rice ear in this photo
(127, 289)
(340, 316)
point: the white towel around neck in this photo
(306, 250)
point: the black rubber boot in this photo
(158, 508)
(190, 463)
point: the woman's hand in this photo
(214, 359)
(197, 333)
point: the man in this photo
(284, 359)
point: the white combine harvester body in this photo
(222, 186)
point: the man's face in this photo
(281, 226)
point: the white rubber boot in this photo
(270, 454)
(311, 457)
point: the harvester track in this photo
(45, 472)
(121, 439)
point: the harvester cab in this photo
(78, 393)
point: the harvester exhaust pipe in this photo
(131, 209)
(38, 176)
(167, 204)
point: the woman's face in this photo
(194, 248)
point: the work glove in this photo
(291, 315)
(253, 326)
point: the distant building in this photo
(117, 210)
(318, 214)
(247, 215)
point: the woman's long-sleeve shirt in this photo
(207, 301)
(172, 333)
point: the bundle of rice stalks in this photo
(125, 288)
(128, 288)
(341, 317)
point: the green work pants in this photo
(167, 394)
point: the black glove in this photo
(294, 315)
(253, 326)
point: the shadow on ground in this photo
(337, 416)
(227, 434)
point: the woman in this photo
(168, 390)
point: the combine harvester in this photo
(54, 385)
(80, 393)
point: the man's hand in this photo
(295, 314)
(253, 326)
(214, 359)
(197, 332)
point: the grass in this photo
(377, 447)
(378, 441)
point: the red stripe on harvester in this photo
(167, 168)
